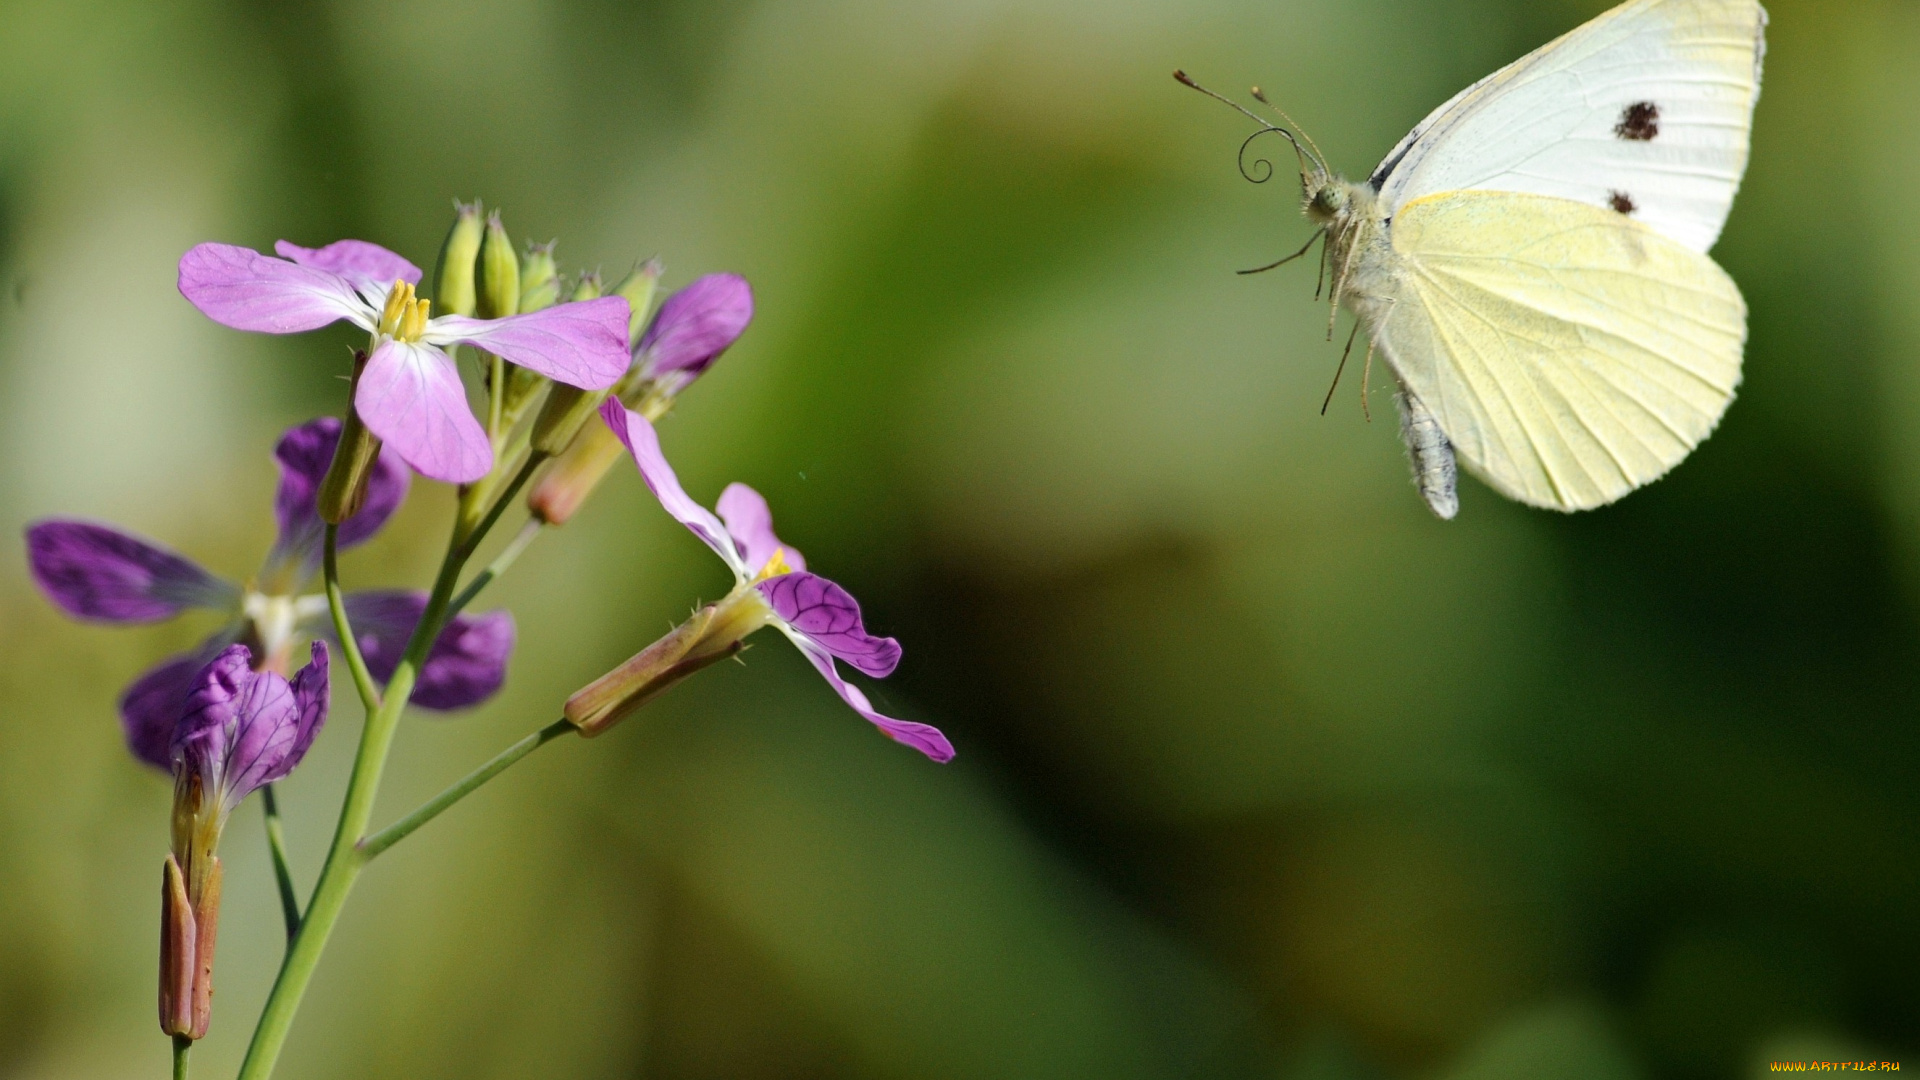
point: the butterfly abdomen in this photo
(1431, 455)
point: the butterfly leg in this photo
(1344, 353)
(1275, 265)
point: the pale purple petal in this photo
(827, 614)
(370, 267)
(250, 291)
(467, 664)
(582, 344)
(644, 444)
(97, 572)
(305, 453)
(922, 737)
(410, 396)
(696, 324)
(750, 522)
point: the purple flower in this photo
(694, 326)
(410, 394)
(242, 728)
(772, 585)
(237, 730)
(100, 573)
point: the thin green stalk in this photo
(282, 873)
(399, 830)
(344, 859)
(337, 607)
(465, 548)
(182, 1046)
(497, 404)
(498, 566)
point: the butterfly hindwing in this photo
(1570, 355)
(1646, 111)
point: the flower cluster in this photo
(571, 385)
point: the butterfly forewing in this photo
(1571, 356)
(1645, 111)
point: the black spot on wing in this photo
(1639, 122)
(1622, 202)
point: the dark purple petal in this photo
(240, 727)
(696, 325)
(467, 664)
(644, 444)
(582, 344)
(312, 692)
(97, 572)
(305, 453)
(750, 522)
(922, 737)
(250, 291)
(825, 613)
(150, 708)
(410, 396)
(370, 267)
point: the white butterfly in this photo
(1531, 259)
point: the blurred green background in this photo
(1263, 771)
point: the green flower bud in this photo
(567, 410)
(453, 292)
(638, 287)
(539, 278)
(498, 281)
(588, 287)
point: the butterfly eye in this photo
(1327, 202)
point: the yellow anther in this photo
(414, 322)
(775, 566)
(399, 298)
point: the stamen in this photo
(414, 322)
(398, 299)
(776, 566)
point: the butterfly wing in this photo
(1646, 110)
(1571, 354)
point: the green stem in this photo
(466, 547)
(282, 872)
(337, 607)
(498, 566)
(399, 830)
(344, 858)
(182, 1046)
(497, 403)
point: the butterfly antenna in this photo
(1312, 240)
(1266, 127)
(1344, 353)
(1320, 159)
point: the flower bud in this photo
(639, 287)
(189, 925)
(345, 486)
(588, 287)
(497, 284)
(714, 633)
(571, 477)
(539, 278)
(566, 411)
(453, 284)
